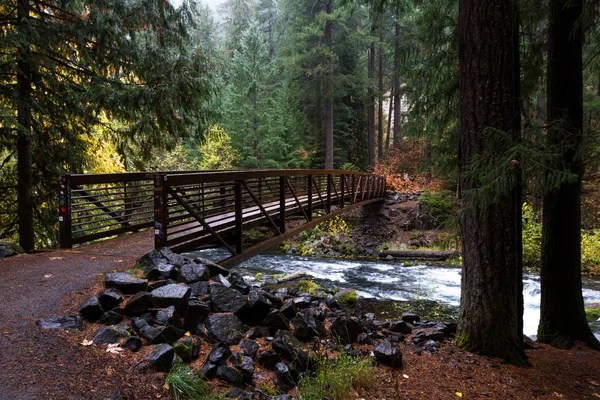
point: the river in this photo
(395, 281)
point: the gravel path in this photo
(42, 364)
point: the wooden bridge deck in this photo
(189, 209)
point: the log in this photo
(292, 277)
(419, 254)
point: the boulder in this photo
(388, 354)
(256, 309)
(225, 299)
(199, 289)
(287, 375)
(225, 328)
(447, 328)
(219, 354)
(238, 393)
(155, 265)
(411, 318)
(288, 309)
(230, 375)
(238, 283)
(249, 348)
(68, 322)
(170, 295)
(125, 283)
(170, 334)
(112, 317)
(109, 299)
(155, 285)
(109, 334)
(276, 321)
(400, 327)
(161, 357)
(91, 309)
(132, 343)
(139, 303)
(246, 366)
(257, 332)
(149, 333)
(291, 348)
(167, 316)
(186, 348)
(173, 258)
(208, 370)
(346, 329)
(190, 273)
(196, 312)
(302, 330)
(215, 269)
(420, 337)
(268, 359)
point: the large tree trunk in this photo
(389, 115)
(396, 132)
(491, 305)
(371, 107)
(380, 94)
(562, 311)
(329, 106)
(24, 172)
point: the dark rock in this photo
(314, 318)
(195, 313)
(276, 321)
(170, 295)
(125, 283)
(302, 330)
(173, 258)
(302, 302)
(529, 343)
(276, 301)
(256, 309)
(184, 348)
(388, 354)
(132, 343)
(346, 329)
(400, 327)
(364, 338)
(215, 269)
(225, 299)
(161, 271)
(421, 337)
(238, 393)
(258, 332)
(112, 317)
(155, 265)
(109, 299)
(238, 283)
(139, 303)
(200, 330)
(167, 316)
(410, 318)
(230, 375)
(249, 348)
(170, 334)
(287, 375)
(199, 289)
(208, 370)
(145, 331)
(191, 273)
(288, 309)
(108, 335)
(219, 354)
(246, 367)
(448, 328)
(155, 285)
(162, 358)
(225, 328)
(9, 249)
(268, 359)
(91, 309)
(291, 348)
(69, 322)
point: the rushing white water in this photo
(394, 281)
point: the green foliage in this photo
(347, 298)
(442, 206)
(532, 238)
(592, 312)
(590, 251)
(186, 384)
(216, 151)
(309, 287)
(337, 379)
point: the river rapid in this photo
(394, 281)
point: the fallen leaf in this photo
(91, 258)
(87, 342)
(55, 258)
(114, 348)
(187, 333)
(458, 394)
(113, 270)
(166, 386)
(100, 274)
(404, 375)
(48, 276)
(558, 395)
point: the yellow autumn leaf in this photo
(166, 386)
(458, 394)
(558, 395)
(188, 333)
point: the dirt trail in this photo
(42, 364)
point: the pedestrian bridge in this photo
(191, 209)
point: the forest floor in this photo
(53, 364)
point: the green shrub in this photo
(186, 384)
(309, 287)
(442, 206)
(337, 379)
(532, 238)
(590, 251)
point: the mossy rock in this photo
(309, 287)
(592, 312)
(347, 298)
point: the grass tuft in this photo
(186, 384)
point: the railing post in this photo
(161, 209)
(238, 217)
(329, 192)
(310, 197)
(64, 211)
(353, 190)
(282, 204)
(342, 177)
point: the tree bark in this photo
(396, 132)
(329, 106)
(389, 122)
(380, 95)
(562, 315)
(491, 306)
(371, 108)
(24, 159)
